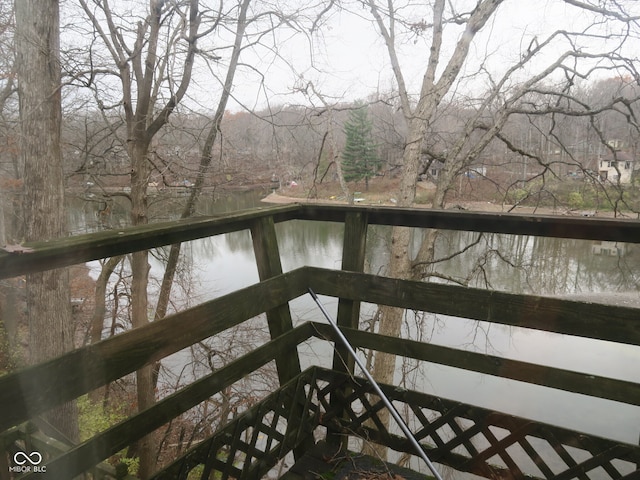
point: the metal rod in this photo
(394, 413)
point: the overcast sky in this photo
(346, 59)
(349, 60)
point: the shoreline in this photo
(476, 206)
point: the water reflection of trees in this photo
(95, 209)
(514, 263)
(234, 242)
(528, 264)
(308, 243)
(521, 264)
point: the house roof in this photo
(619, 156)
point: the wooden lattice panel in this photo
(464, 437)
(254, 442)
(476, 440)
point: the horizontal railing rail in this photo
(36, 389)
(614, 323)
(105, 444)
(83, 248)
(612, 229)
(542, 375)
(92, 246)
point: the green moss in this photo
(93, 418)
(575, 200)
(516, 195)
(196, 472)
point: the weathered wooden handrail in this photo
(83, 248)
(612, 229)
(92, 246)
(585, 319)
(560, 379)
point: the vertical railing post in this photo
(353, 255)
(265, 246)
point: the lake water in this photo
(569, 268)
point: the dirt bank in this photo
(280, 199)
(381, 191)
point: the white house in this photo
(616, 168)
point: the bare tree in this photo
(241, 41)
(566, 54)
(145, 60)
(330, 139)
(151, 54)
(205, 159)
(39, 84)
(9, 184)
(418, 119)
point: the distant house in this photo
(616, 168)
(433, 171)
(611, 249)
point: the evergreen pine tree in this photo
(359, 157)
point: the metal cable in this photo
(394, 413)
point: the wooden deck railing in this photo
(28, 393)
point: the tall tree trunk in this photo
(38, 67)
(100, 311)
(205, 162)
(418, 121)
(145, 448)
